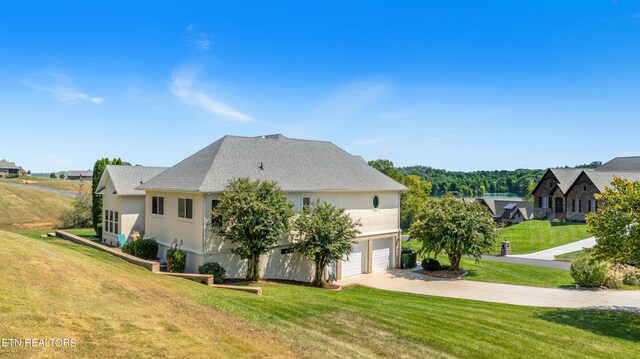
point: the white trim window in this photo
(157, 205)
(185, 208)
(545, 202)
(575, 205)
(111, 222)
(593, 205)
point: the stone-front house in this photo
(570, 193)
(508, 210)
(549, 194)
(9, 169)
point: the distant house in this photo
(10, 170)
(508, 210)
(76, 175)
(570, 192)
(123, 204)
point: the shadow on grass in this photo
(619, 324)
(562, 224)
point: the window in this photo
(550, 184)
(306, 201)
(185, 208)
(376, 202)
(575, 208)
(286, 251)
(111, 222)
(540, 202)
(579, 209)
(584, 187)
(546, 202)
(157, 205)
(215, 221)
(593, 205)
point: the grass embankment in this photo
(26, 208)
(114, 308)
(533, 236)
(571, 256)
(55, 183)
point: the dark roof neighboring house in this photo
(621, 164)
(125, 179)
(6, 165)
(80, 174)
(295, 164)
(603, 179)
(507, 208)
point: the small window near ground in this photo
(214, 203)
(376, 202)
(306, 202)
(286, 251)
(185, 208)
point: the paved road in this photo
(53, 190)
(408, 281)
(549, 254)
(529, 261)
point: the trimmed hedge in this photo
(178, 259)
(589, 273)
(215, 269)
(408, 258)
(431, 264)
(145, 248)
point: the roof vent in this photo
(261, 166)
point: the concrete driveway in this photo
(551, 253)
(408, 281)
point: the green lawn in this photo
(533, 236)
(23, 209)
(572, 255)
(112, 307)
(55, 183)
(508, 273)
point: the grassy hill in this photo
(54, 288)
(48, 182)
(533, 236)
(27, 208)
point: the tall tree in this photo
(253, 215)
(413, 199)
(96, 206)
(386, 167)
(456, 227)
(616, 224)
(323, 233)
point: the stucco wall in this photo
(131, 211)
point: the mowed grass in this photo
(26, 208)
(55, 183)
(54, 288)
(533, 236)
(512, 273)
(571, 256)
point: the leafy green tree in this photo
(456, 227)
(98, 170)
(529, 196)
(254, 215)
(386, 167)
(616, 224)
(79, 215)
(323, 233)
(61, 176)
(53, 175)
(413, 199)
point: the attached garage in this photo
(381, 254)
(357, 262)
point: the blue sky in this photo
(461, 85)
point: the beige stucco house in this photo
(178, 203)
(122, 203)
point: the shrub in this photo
(615, 276)
(630, 274)
(408, 258)
(589, 273)
(79, 215)
(146, 248)
(431, 264)
(178, 259)
(215, 269)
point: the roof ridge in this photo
(222, 141)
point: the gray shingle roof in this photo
(603, 179)
(296, 165)
(4, 164)
(125, 179)
(499, 206)
(566, 176)
(618, 164)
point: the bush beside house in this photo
(215, 269)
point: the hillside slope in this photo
(27, 208)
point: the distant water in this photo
(513, 196)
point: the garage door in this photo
(357, 260)
(381, 254)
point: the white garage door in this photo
(381, 254)
(357, 260)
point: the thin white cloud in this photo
(182, 86)
(369, 141)
(200, 41)
(63, 89)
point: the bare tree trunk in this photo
(253, 268)
(319, 277)
(454, 258)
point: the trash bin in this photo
(505, 248)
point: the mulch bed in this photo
(330, 286)
(445, 273)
